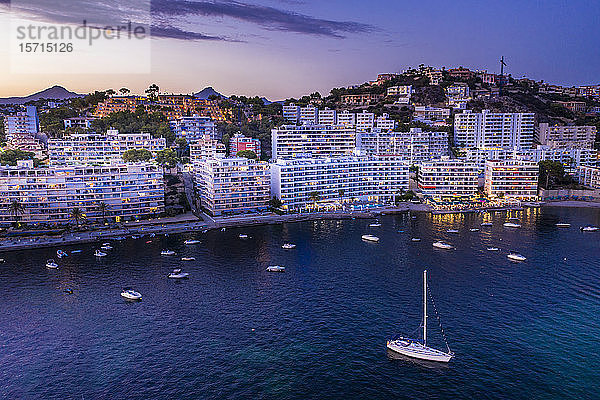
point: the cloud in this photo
(264, 16)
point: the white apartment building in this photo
(193, 128)
(290, 141)
(291, 113)
(402, 91)
(233, 185)
(346, 118)
(511, 179)
(92, 148)
(414, 147)
(327, 117)
(205, 148)
(458, 91)
(384, 122)
(582, 137)
(589, 176)
(445, 179)
(365, 120)
(490, 130)
(430, 115)
(79, 122)
(49, 194)
(309, 115)
(303, 182)
(22, 123)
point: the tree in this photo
(103, 207)
(153, 91)
(247, 154)
(77, 215)
(11, 156)
(314, 196)
(16, 209)
(182, 147)
(137, 155)
(166, 158)
(110, 92)
(124, 91)
(341, 193)
(551, 173)
(275, 202)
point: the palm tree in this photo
(77, 215)
(314, 196)
(16, 209)
(103, 207)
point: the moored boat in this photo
(370, 238)
(442, 245)
(178, 274)
(191, 241)
(288, 246)
(188, 258)
(131, 294)
(493, 249)
(99, 253)
(51, 264)
(562, 225)
(452, 231)
(415, 240)
(589, 228)
(511, 225)
(516, 257)
(275, 268)
(167, 253)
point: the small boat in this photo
(288, 246)
(474, 230)
(486, 224)
(589, 228)
(452, 231)
(400, 231)
(106, 247)
(204, 231)
(106, 244)
(511, 225)
(493, 249)
(562, 225)
(99, 253)
(416, 348)
(415, 239)
(61, 254)
(135, 237)
(1, 260)
(188, 258)
(68, 291)
(178, 274)
(516, 257)
(370, 238)
(51, 264)
(191, 241)
(75, 251)
(131, 294)
(167, 253)
(243, 236)
(223, 229)
(442, 245)
(275, 268)
(375, 225)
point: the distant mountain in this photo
(207, 92)
(54, 93)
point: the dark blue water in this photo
(234, 331)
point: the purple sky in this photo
(289, 48)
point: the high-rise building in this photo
(22, 123)
(365, 120)
(193, 128)
(511, 179)
(430, 115)
(582, 137)
(346, 118)
(240, 142)
(446, 179)
(589, 176)
(317, 140)
(309, 115)
(291, 113)
(327, 117)
(206, 147)
(489, 130)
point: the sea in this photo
(519, 330)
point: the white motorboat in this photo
(204, 231)
(370, 238)
(562, 225)
(589, 228)
(415, 239)
(99, 253)
(511, 225)
(442, 245)
(516, 257)
(223, 229)
(135, 237)
(167, 253)
(106, 244)
(51, 264)
(474, 229)
(107, 247)
(131, 294)
(418, 349)
(493, 249)
(188, 258)
(486, 224)
(61, 254)
(243, 236)
(375, 225)
(288, 246)
(452, 231)
(275, 268)
(178, 274)
(191, 241)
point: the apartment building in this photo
(578, 107)
(234, 185)
(448, 179)
(511, 179)
(361, 99)
(328, 117)
(430, 115)
(290, 141)
(79, 122)
(404, 92)
(461, 73)
(435, 75)
(346, 118)
(493, 130)
(414, 147)
(384, 122)
(309, 115)
(193, 128)
(589, 176)
(22, 123)
(204, 148)
(458, 91)
(304, 183)
(49, 194)
(93, 148)
(582, 137)
(240, 142)
(365, 120)
(291, 113)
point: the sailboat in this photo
(415, 348)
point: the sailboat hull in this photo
(414, 349)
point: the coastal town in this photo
(438, 140)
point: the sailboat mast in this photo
(425, 307)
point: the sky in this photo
(288, 48)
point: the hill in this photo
(54, 93)
(207, 92)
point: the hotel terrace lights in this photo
(448, 179)
(511, 179)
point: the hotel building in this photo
(205, 148)
(22, 123)
(327, 117)
(414, 147)
(303, 182)
(589, 176)
(448, 179)
(49, 194)
(511, 179)
(291, 113)
(582, 137)
(493, 130)
(92, 148)
(346, 118)
(240, 142)
(430, 115)
(317, 140)
(233, 185)
(309, 115)
(79, 122)
(193, 128)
